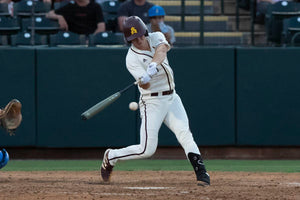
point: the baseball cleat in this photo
(203, 179)
(106, 167)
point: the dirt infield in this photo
(152, 185)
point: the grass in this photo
(155, 165)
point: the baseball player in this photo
(159, 103)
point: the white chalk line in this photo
(148, 188)
(294, 184)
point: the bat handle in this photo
(129, 86)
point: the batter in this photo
(159, 103)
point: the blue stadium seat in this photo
(67, 39)
(3, 40)
(9, 25)
(295, 41)
(106, 38)
(58, 5)
(4, 9)
(291, 26)
(110, 14)
(274, 18)
(24, 8)
(41, 25)
(25, 39)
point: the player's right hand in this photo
(151, 69)
(145, 78)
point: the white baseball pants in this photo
(154, 111)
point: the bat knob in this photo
(83, 117)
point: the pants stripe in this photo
(146, 140)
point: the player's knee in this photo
(4, 157)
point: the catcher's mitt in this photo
(11, 116)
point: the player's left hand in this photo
(152, 69)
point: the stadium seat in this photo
(67, 38)
(9, 25)
(110, 14)
(291, 26)
(110, 6)
(106, 38)
(275, 15)
(3, 40)
(4, 9)
(295, 41)
(42, 25)
(60, 4)
(24, 8)
(25, 38)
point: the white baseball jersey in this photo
(137, 62)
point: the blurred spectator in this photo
(157, 15)
(10, 5)
(133, 8)
(81, 16)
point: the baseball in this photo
(133, 106)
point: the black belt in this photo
(162, 93)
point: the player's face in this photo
(141, 43)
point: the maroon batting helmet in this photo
(133, 28)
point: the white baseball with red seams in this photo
(157, 108)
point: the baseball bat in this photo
(104, 103)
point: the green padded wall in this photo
(55, 85)
(268, 96)
(17, 70)
(204, 79)
(72, 80)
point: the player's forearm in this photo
(160, 54)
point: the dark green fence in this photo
(233, 96)
(17, 78)
(268, 96)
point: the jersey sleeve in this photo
(159, 38)
(134, 67)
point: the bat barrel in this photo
(100, 106)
